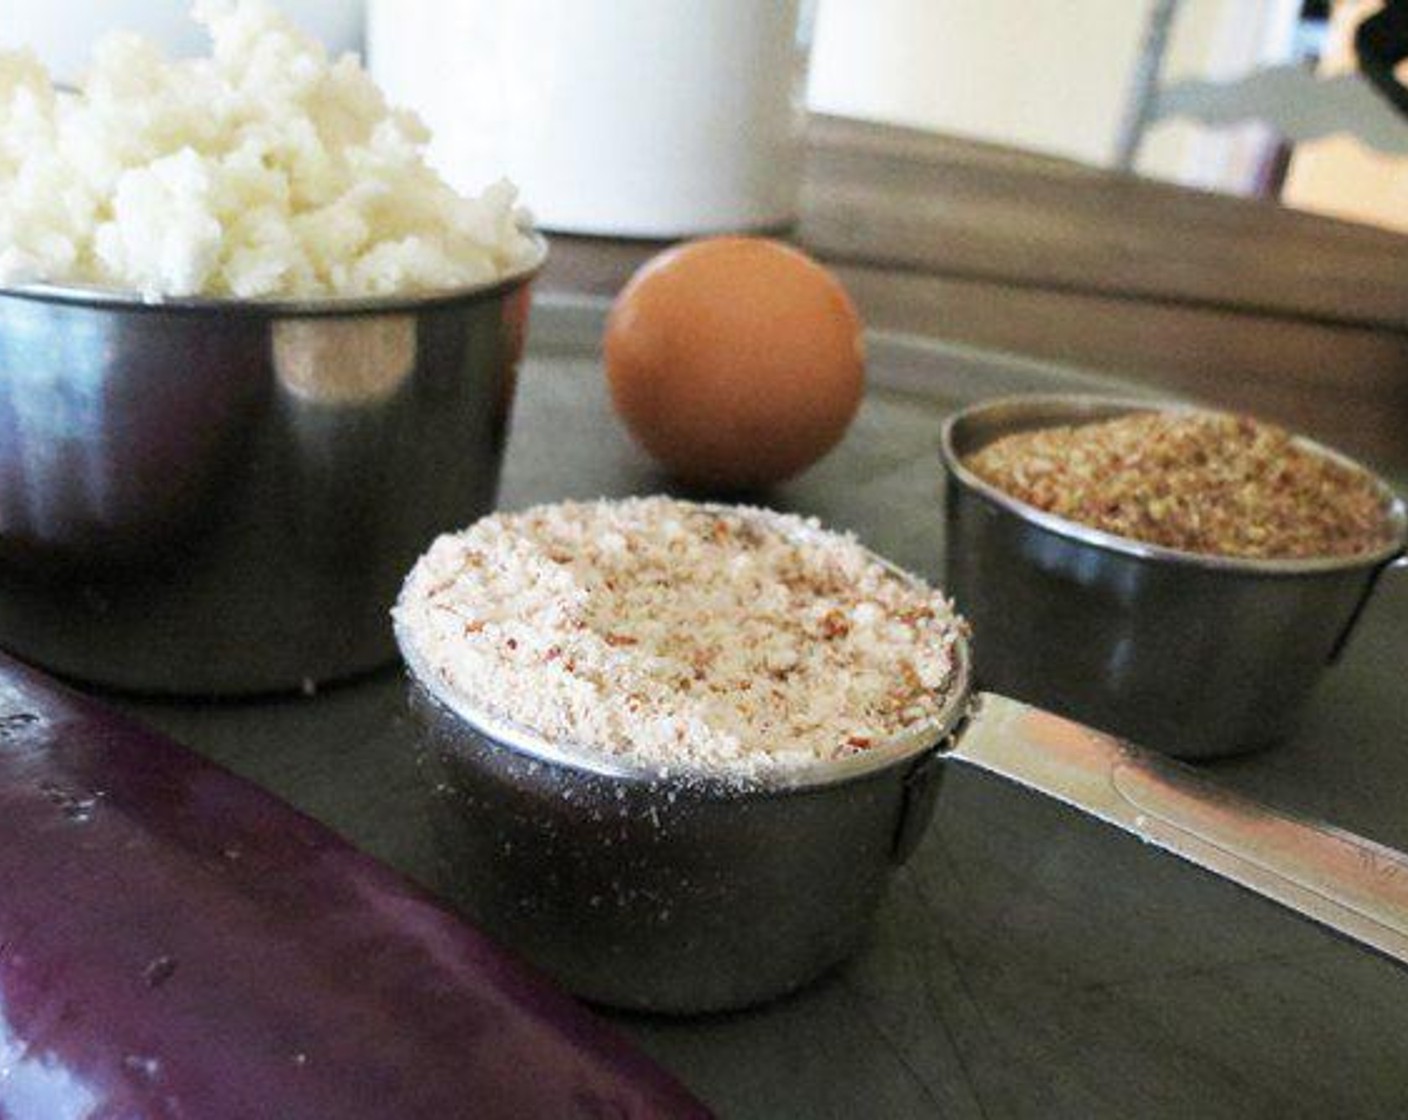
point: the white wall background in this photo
(1049, 75)
(1042, 74)
(63, 31)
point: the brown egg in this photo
(735, 361)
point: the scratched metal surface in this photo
(1028, 962)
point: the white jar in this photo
(62, 32)
(656, 118)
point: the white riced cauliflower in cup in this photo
(264, 171)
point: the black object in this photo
(1381, 42)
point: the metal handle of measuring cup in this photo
(1345, 882)
(1398, 563)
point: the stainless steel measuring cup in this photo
(693, 892)
(1198, 656)
(220, 496)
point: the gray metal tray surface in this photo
(1028, 962)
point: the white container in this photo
(62, 32)
(650, 118)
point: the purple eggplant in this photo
(177, 943)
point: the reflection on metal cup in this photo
(344, 361)
(210, 497)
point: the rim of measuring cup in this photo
(1065, 408)
(518, 737)
(97, 297)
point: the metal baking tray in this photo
(1027, 962)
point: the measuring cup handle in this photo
(1399, 563)
(1350, 884)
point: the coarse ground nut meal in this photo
(1202, 482)
(730, 640)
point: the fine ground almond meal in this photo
(682, 637)
(1201, 482)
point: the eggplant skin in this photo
(178, 944)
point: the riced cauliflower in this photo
(264, 171)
